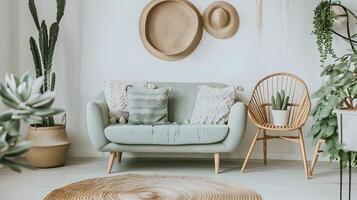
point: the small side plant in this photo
(280, 101)
(28, 104)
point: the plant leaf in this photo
(36, 57)
(61, 4)
(33, 11)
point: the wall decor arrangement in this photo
(221, 20)
(172, 29)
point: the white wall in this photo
(99, 40)
(8, 39)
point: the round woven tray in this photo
(137, 187)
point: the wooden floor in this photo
(274, 181)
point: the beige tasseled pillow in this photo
(115, 93)
(213, 105)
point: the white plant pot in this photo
(280, 117)
(346, 120)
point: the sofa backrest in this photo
(182, 98)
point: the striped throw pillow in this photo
(147, 106)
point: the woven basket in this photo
(50, 146)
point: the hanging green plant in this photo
(323, 23)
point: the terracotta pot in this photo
(50, 146)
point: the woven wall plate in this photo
(221, 19)
(170, 29)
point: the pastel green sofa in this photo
(175, 138)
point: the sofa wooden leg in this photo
(119, 154)
(216, 163)
(111, 161)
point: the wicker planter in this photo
(50, 146)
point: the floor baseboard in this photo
(75, 153)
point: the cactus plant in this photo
(27, 102)
(43, 51)
(280, 101)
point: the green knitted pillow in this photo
(147, 106)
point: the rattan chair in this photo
(259, 111)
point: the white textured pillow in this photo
(117, 98)
(213, 105)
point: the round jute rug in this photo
(145, 187)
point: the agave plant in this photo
(280, 101)
(43, 51)
(27, 103)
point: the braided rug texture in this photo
(152, 187)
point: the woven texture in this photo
(212, 105)
(140, 187)
(147, 106)
(116, 97)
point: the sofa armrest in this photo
(97, 120)
(237, 121)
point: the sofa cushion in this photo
(147, 106)
(166, 134)
(213, 105)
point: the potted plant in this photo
(27, 104)
(329, 16)
(279, 111)
(338, 93)
(50, 143)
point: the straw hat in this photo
(221, 19)
(170, 29)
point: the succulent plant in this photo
(43, 52)
(280, 101)
(27, 103)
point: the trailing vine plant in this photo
(323, 23)
(340, 87)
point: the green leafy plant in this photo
(280, 101)
(323, 23)
(323, 28)
(43, 51)
(27, 103)
(338, 91)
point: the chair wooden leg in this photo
(216, 163)
(111, 161)
(315, 158)
(250, 151)
(303, 153)
(265, 147)
(119, 154)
